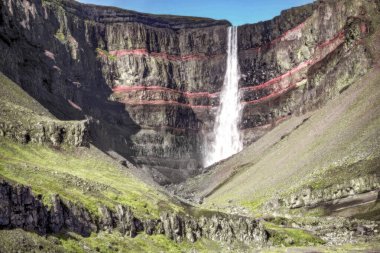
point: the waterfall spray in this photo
(227, 140)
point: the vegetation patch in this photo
(80, 175)
(283, 236)
(255, 205)
(60, 36)
(115, 242)
(104, 53)
(18, 240)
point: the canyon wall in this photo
(150, 84)
(135, 76)
(310, 55)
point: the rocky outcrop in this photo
(152, 82)
(312, 198)
(19, 208)
(50, 132)
(217, 227)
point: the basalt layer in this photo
(151, 83)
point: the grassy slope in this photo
(84, 175)
(337, 142)
(21, 241)
(17, 106)
(81, 175)
(18, 240)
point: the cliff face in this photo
(151, 83)
(309, 56)
(131, 72)
(21, 209)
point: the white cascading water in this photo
(227, 140)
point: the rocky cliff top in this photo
(106, 14)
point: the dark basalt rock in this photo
(21, 209)
(48, 132)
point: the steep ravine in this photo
(151, 83)
(144, 89)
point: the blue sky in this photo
(237, 12)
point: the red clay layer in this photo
(276, 40)
(126, 89)
(278, 79)
(339, 37)
(273, 95)
(74, 105)
(172, 102)
(164, 102)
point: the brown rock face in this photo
(151, 83)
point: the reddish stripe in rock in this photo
(164, 102)
(271, 96)
(363, 28)
(278, 79)
(49, 55)
(339, 36)
(119, 53)
(193, 57)
(170, 128)
(336, 41)
(281, 37)
(163, 55)
(126, 89)
(171, 102)
(278, 39)
(74, 105)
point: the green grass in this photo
(357, 247)
(114, 242)
(18, 240)
(254, 206)
(12, 95)
(80, 175)
(282, 236)
(102, 52)
(342, 143)
(61, 36)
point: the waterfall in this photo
(227, 141)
